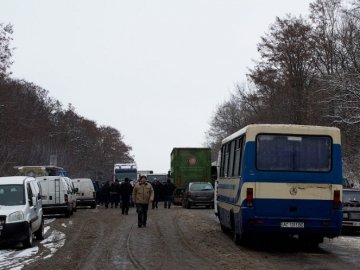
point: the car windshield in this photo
(201, 186)
(351, 195)
(12, 195)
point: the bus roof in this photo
(253, 130)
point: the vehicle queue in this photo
(271, 179)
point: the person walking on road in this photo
(115, 194)
(125, 192)
(105, 193)
(157, 189)
(168, 193)
(143, 194)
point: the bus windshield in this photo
(293, 153)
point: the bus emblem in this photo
(293, 191)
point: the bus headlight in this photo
(15, 217)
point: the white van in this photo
(86, 195)
(55, 195)
(21, 213)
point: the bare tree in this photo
(5, 49)
(285, 72)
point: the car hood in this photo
(6, 210)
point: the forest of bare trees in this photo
(34, 127)
(308, 73)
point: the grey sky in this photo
(155, 70)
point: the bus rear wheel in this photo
(237, 238)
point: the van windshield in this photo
(12, 195)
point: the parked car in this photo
(56, 195)
(198, 194)
(351, 210)
(86, 195)
(21, 213)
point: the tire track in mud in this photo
(132, 257)
(152, 240)
(211, 244)
(93, 256)
(110, 250)
(175, 221)
(180, 253)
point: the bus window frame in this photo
(228, 157)
(295, 135)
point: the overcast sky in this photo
(155, 70)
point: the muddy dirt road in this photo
(177, 238)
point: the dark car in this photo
(198, 194)
(351, 210)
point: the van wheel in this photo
(28, 242)
(188, 205)
(93, 205)
(68, 213)
(40, 233)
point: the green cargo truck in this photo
(189, 165)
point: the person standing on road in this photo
(168, 193)
(125, 191)
(105, 193)
(115, 194)
(142, 195)
(157, 189)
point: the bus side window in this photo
(222, 161)
(226, 162)
(231, 158)
(237, 157)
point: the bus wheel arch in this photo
(238, 235)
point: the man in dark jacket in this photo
(125, 191)
(105, 193)
(115, 194)
(168, 193)
(157, 190)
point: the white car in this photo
(21, 213)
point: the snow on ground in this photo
(16, 258)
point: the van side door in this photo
(32, 207)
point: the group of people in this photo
(114, 193)
(142, 194)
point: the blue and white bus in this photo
(281, 179)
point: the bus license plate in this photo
(292, 225)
